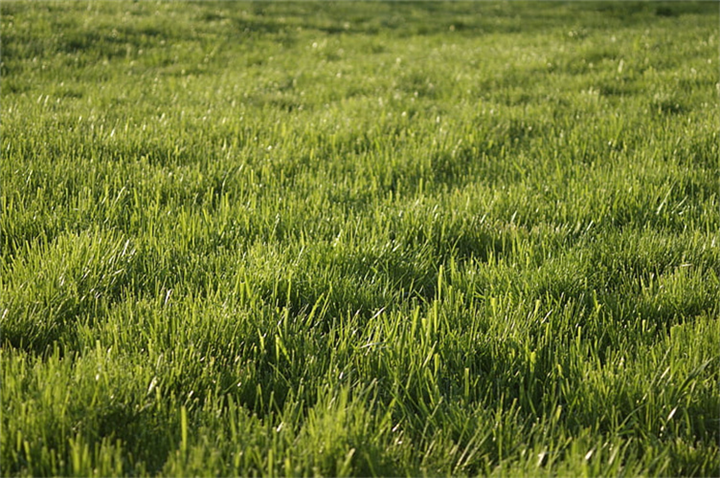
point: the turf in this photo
(362, 239)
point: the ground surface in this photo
(360, 239)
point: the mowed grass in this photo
(360, 239)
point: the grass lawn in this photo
(397, 239)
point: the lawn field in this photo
(360, 239)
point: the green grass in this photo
(360, 239)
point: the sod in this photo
(360, 239)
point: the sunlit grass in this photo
(360, 239)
